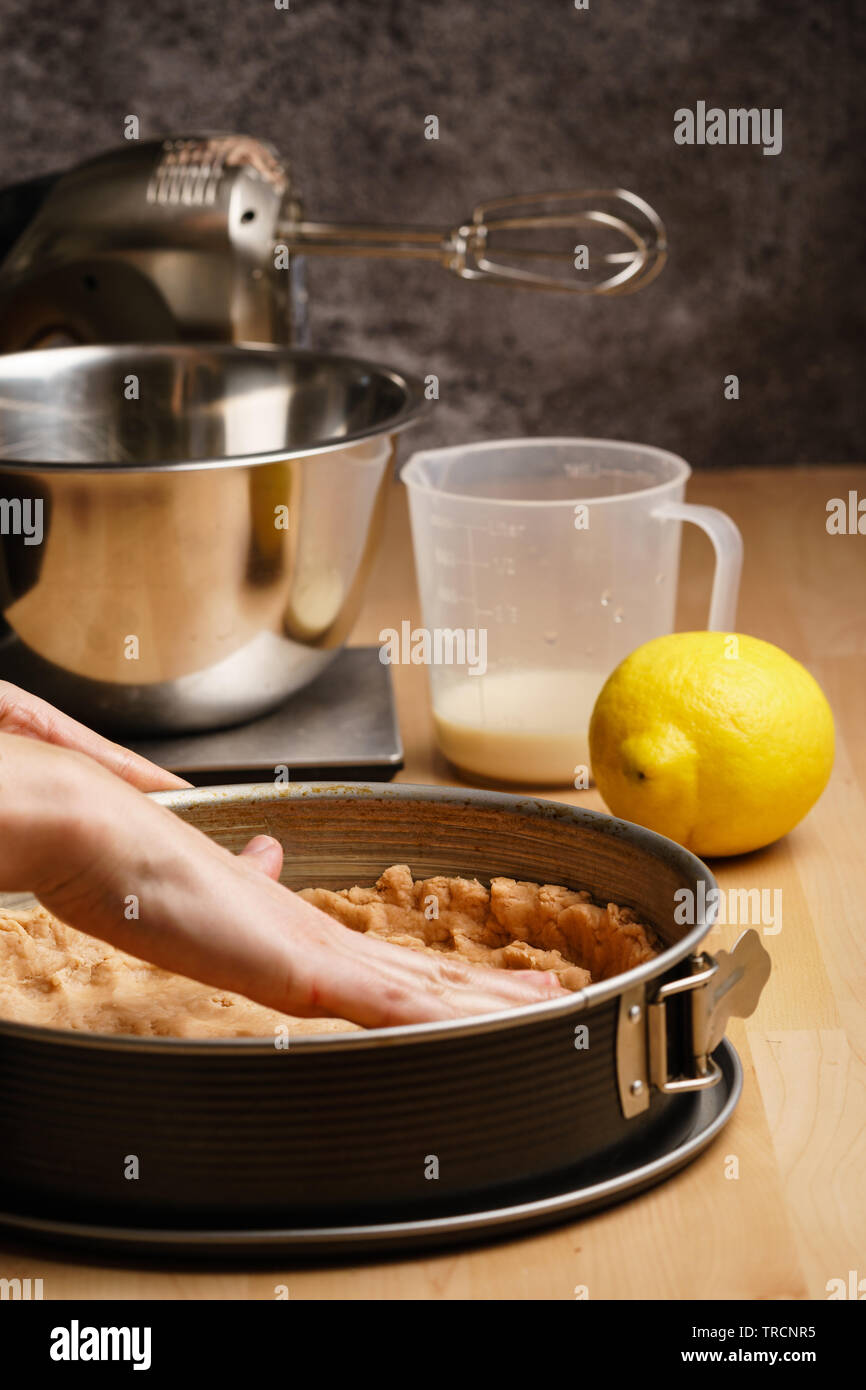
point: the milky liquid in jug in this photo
(524, 725)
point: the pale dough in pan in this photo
(54, 976)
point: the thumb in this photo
(264, 853)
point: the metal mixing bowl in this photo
(185, 530)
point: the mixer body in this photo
(157, 242)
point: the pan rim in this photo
(658, 846)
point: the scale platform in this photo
(343, 725)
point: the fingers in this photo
(264, 853)
(379, 984)
(479, 989)
(27, 715)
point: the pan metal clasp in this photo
(652, 1036)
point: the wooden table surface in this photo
(795, 1216)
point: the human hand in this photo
(84, 840)
(26, 715)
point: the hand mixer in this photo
(202, 238)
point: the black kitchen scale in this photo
(341, 725)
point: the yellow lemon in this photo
(719, 741)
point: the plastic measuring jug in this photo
(542, 563)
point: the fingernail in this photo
(261, 844)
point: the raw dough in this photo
(57, 977)
(512, 925)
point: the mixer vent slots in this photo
(187, 174)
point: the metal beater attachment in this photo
(492, 246)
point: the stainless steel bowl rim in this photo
(659, 846)
(415, 403)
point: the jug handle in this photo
(728, 546)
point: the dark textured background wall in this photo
(765, 276)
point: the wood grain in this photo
(795, 1214)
